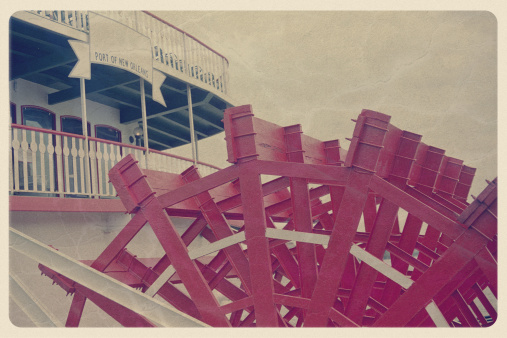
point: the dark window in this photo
(108, 133)
(73, 125)
(13, 113)
(38, 118)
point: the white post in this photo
(85, 133)
(191, 122)
(196, 146)
(187, 71)
(145, 122)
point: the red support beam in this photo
(221, 229)
(76, 310)
(266, 314)
(362, 157)
(135, 192)
(301, 212)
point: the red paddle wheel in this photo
(379, 235)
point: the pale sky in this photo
(434, 72)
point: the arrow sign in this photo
(114, 44)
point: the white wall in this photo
(23, 92)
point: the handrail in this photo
(190, 59)
(187, 34)
(123, 145)
(56, 165)
(116, 143)
(48, 131)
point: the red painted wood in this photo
(237, 305)
(186, 268)
(478, 314)
(362, 156)
(120, 313)
(369, 212)
(465, 310)
(76, 310)
(127, 174)
(258, 249)
(119, 242)
(191, 189)
(224, 286)
(485, 302)
(407, 243)
(332, 268)
(287, 261)
(221, 229)
(317, 285)
(376, 246)
(301, 211)
(55, 204)
(188, 236)
(416, 207)
(428, 285)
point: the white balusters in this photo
(99, 169)
(223, 82)
(59, 165)
(51, 151)
(42, 152)
(33, 150)
(114, 157)
(42, 162)
(103, 177)
(93, 167)
(15, 152)
(81, 154)
(24, 153)
(13, 159)
(11, 178)
(66, 167)
(75, 171)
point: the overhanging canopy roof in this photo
(45, 57)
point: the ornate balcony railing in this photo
(175, 52)
(51, 163)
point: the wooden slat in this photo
(24, 148)
(51, 154)
(81, 167)
(42, 150)
(11, 174)
(33, 148)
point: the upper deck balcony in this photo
(48, 160)
(47, 163)
(40, 53)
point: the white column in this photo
(85, 133)
(191, 122)
(145, 122)
(196, 146)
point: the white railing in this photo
(51, 163)
(74, 19)
(175, 52)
